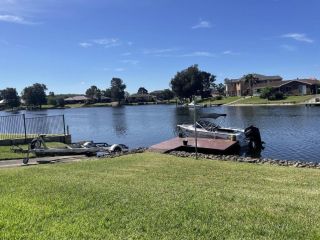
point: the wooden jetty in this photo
(205, 145)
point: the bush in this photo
(60, 102)
(52, 101)
(266, 93)
(218, 97)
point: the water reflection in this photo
(119, 120)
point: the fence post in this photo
(25, 127)
(64, 125)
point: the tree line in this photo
(185, 84)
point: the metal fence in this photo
(22, 127)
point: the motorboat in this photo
(249, 137)
(192, 105)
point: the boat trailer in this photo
(38, 147)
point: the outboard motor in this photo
(253, 136)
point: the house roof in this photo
(285, 82)
(259, 76)
(76, 98)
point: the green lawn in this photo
(225, 100)
(6, 153)
(289, 99)
(154, 196)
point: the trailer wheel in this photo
(117, 149)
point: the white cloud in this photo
(105, 42)
(159, 51)
(301, 37)
(14, 19)
(199, 54)
(85, 44)
(202, 24)
(126, 54)
(119, 70)
(230, 52)
(130, 61)
(287, 47)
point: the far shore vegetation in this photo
(186, 84)
(157, 196)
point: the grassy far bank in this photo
(6, 153)
(155, 196)
(224, 100)
(289, 99)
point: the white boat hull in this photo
(221, 133)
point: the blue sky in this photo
(70, 45)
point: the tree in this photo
(60, 102)
(94, 93)
(10, 97)
(117, 89)
(35, 95)
(142, 90)
(251, 79)
(219, 88)
(165, 94)
(191, 81)
(106, 93)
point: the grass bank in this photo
(224, 100)
(288, 100)
(155, 196)
(6, 153)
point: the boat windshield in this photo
(209, 126)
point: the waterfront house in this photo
(76, 99)
(290, 87)
(239, 87)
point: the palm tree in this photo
(251, 79)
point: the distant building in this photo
(76, 99)
(290, 87)
(239, 87)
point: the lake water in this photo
(290, 132)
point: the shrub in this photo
(52, 101)
(219, 97)
(266, 93)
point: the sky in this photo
(70, 45)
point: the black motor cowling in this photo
(253, 136)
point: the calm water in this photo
(290, 132)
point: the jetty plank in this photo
(220, 145)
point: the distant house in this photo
(105, 99)
(239, 87)
(290, 87)
(76, 99)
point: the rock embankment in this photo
(235, 158)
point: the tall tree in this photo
(35, 95)
(117, 89)
(191, 81)
(106, 93)
(251, 80)
(142, 90)
(10, 97)
(94, 93)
